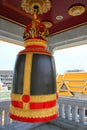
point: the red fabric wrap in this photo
(35, 50)
(40, 105)
(17, 104)
(37, 105)
(35, 46)
(41, 119)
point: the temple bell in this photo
(34, 96)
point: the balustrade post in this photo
(74, 113)
(67, 111)
(0, 117)
(61, 110)
(6, 118)
(82, 115)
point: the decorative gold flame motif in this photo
(36, 29)
(29, 6)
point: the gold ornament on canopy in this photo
(76, 10)
(43, 6)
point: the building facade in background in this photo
(6, 77)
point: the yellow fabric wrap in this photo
(40, 98)
(33, 113)
(27, 77)
(35, 42)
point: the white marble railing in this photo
(4, 119)
(73, 109)
(7, 124)
(72, 112)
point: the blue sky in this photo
(65, 59)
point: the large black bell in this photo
(34, 96)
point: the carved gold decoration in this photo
(33, 113)
(30, 5)
(36, 30)
(76, 10)
(47, 24)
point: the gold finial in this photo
(36, 29)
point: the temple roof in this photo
(72, 82)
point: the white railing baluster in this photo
(82, 115)
(0, 117)
(74, 113)
(61, 110)
(6, 118)
(67, 112)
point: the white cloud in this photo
(8, 53)
(71, 58)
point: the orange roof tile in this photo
(74, 89)
(85, 92)
(58, 84)
(76, 84)
(59, 78)
(65, 93)
(75, 76)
